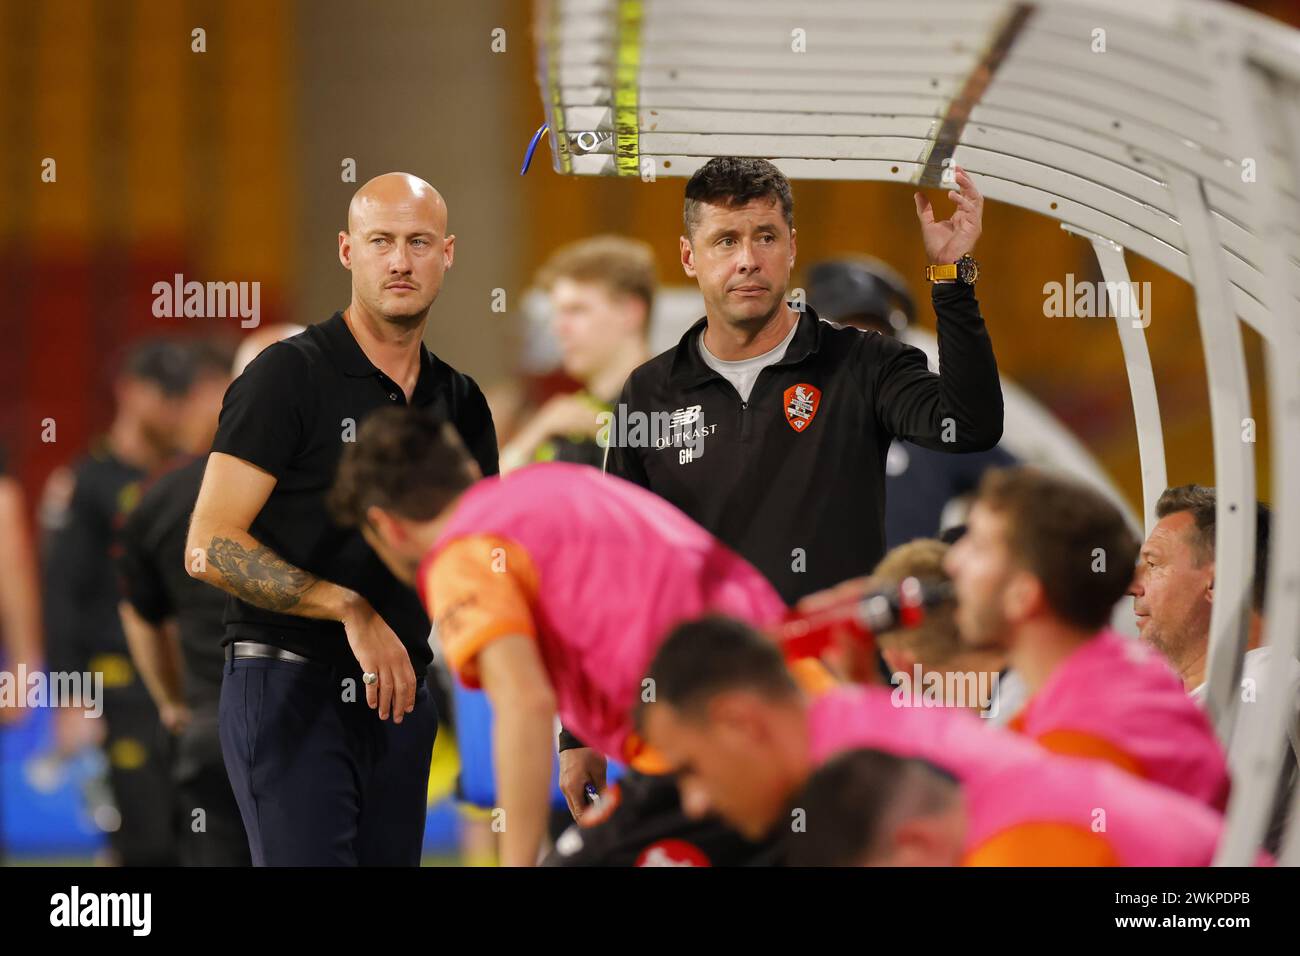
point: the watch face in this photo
(967, 270)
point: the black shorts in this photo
(641, 823)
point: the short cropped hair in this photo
(1199, 501)
(404, 460)
(1058, 528)
(623, 266)
(212, 356)
(735, 181)
(935, 640)
(855, 801)
(163, 361)
(711, 655)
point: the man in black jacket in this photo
(771, 427)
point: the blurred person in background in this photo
(923, 488)
(931, 654)
(173, 623)
(20, 596)
(742, 740)
(867, 807)
(1173, 595)
(1173, 588)
(84, 507)
(601, 292)
(1037, 574)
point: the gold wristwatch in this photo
(964, 270)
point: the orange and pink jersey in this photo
(1025, 806)
(1116, 700)
(597, 571)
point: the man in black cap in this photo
(84, 507)
(919, 483)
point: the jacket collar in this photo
(689, 370)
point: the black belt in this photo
(242, 650)
(245, 650)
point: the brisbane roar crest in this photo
(801, 402)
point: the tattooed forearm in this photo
(260, 576)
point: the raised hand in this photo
(947, 240)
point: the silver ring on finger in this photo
(369, 678)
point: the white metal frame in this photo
(1139, 148)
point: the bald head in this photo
(397, 248)
(396, 192)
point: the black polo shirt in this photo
(289, 414)
(152, 576)
(80, 593)
(794, 478)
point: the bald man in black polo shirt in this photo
(326, 725)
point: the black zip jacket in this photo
(794, 479)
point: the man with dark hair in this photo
(865, 807)
(1173, 594)
(1174, 584)
(84, 507)
(774, 425)
(550, 589)
(1037, 574)
(173, 623)
(871, 808)
(760, 397)
(742, 741)
(323, 644)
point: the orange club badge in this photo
(801, 404)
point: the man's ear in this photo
(1023, 597)
(1209, 590)
(345, 249)
(793, 250)
(387, 526)
(448, 252)
(688, 256)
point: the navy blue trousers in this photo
(321, 781)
